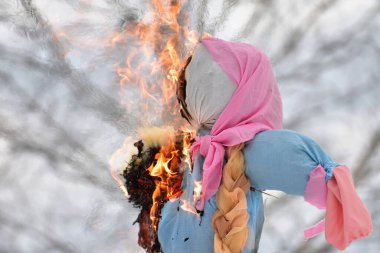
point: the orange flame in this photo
(158, 45)
(189, 206)
(168, 170)
(117, 161)
(197, 191)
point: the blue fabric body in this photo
(275, 160)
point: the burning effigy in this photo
(202, 191)
(153, 176)
(198, 182)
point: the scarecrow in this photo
(228, 92)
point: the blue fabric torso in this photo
(274, 160)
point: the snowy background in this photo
(61, 117)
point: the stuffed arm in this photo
(293, 163)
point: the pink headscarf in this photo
(254, 107)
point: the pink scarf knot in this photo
(203, 143)
(212, 167)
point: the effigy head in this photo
(208, 89)
(228, 78)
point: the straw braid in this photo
(231, 218)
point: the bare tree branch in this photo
(85, 92)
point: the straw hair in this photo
(230, 221)
(156, 136)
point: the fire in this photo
(168, 171)
(197, 191)
(188, 136)
(157, 47)
(189, 206)
(117, 161)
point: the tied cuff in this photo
(329, 169)
(316, 194)
(347, 218)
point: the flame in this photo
(117, 162)
(157, 46)
(197, 191)
(162, 165)
(189, 207)
(188, 135)
(168, 170)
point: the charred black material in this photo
(139, 183)
(150, 193)
(147, 237)
(181, 92)
(140, 186)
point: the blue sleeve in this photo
(282, 160)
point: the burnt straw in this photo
(150, 193)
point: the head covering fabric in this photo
(255, 106)
(208, 89)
